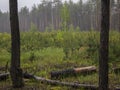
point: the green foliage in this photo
(114, 48)
(76, 45)
(32, 56)
(5, 42)
(43, 52)
(65, 15)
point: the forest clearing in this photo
(58, 50)
(60, 45)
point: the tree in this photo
(0, 13)
(83, 15)
(65, 16)
(24, 19)
(104, 45)
(15, 70)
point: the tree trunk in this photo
(104, 43)
(15, 70)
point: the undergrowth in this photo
(43, 52)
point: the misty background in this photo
(42, 15)
(4, 4)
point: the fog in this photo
(4, 4)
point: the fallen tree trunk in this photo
(4, 76)
(116, 70)
(75, 85)
(2, 68)
(59, 83)
(73, 72)
(55, 82)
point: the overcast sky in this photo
(4, 4)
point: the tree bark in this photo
(15, 70)
(104, 45)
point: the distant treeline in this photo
(58, 15)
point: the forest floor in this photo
(42, 53)
(51, 59)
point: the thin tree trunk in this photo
(104, 45)
(15, 70)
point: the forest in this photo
(52, 15)
(61, 46)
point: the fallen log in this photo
(4, 76)
(55, 82)
(59, 83)
(75, 85)
(28, 76)
(116, 70)
(72, 72)
(2, 68)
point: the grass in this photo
(50, 59)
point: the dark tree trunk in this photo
(104, 45)
(15, 70)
